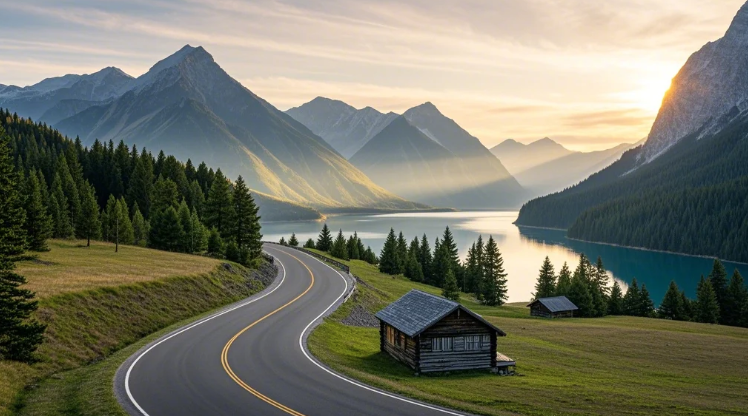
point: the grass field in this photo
(610, 366)
(96, 304)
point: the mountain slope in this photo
(710, 84)
(345, 128)
(411, 164)
(188, 106)
(36, 100)
(519, 157)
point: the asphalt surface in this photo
(250, 359)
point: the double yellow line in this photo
(225, 352)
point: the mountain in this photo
(404, 159)
(710, 84)
(58, 95)
(691, 195)
(187, 105)
(519, 157)
(345, 128)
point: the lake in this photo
(523, 249)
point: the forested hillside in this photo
(127, 196)
(692, 199)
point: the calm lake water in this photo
(523, 248)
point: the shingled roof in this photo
(417, 311)
(556, 304)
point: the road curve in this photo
(250, 358)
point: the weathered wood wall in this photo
(456, 325)
(406, 354)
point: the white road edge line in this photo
(355, 383)
(129, 370)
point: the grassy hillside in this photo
(613, 365)
(97, 302)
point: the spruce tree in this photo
(413, 270)
(139, 227)
(615, 301)
(671, 306)
(425, 258)
(718, 278)
(38, 224)
(450, 290)
(339, 247)
(471, 267)
(450, 246)
(737, 296)
(60, 211)
(402, 252)
(200, 232)
(632, 300)
(19, 335)
(707, 306)
(293, 242)
(166, 232)
(232, 251)
(494, 290)
(370, 257)
(546, 284)
(187, 245)
(215, 243)
(219, 212)
(564, 281)
(120, 222)
(388, 262)
(352, 246)
(324, 241)
(197, 197)
(90, 225)
(440, 266)
(282, 241)
(246, 222)
(579, 294)
(688, 307)
(140, 191)
(601, 276)
(309, 244)
(165, 195)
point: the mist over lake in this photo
(522, 248)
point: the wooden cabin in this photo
(429, 333)
(555, 307)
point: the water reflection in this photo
(523, 248)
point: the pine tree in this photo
(219, 212)
(718, 278)
(450, 246)
(352, 246)
(440, 266)
(90, 226)
(309, 244)
(402, 252)
(546, 284)
(671, 306)
(601, 276)
(141, 187)
(38, 224)
(615, 301)
(215, 243)
(293, 242)
(688, 307)
(232, 251)
(494, 282)
(119, 221)
(707, 306)
(632, 300)
(165, 195)
(339, 247)
(166, 232)
(737, 296)
(196, 197)
(413, 270)
(246, 221)
(370, 257)
(282, 241)
(187, 245)
(70, 189)
(450, 290)
(579, 294)
(425, 259)
(388, 262)
(19, 335)
(60, 211)
(647, 306)
(564, 281)
(139, 227)
(324, 241)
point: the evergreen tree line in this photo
(717, 300)
(351, 248)
(126, 196)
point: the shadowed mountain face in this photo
(402, 158)
(545, 166)
(56, 98)
(186, 105)
(345, 128)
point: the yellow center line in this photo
(225, 353)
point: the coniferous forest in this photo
(125, 195)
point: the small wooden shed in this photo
(430, 333)
(555, 307)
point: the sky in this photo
(588, 73)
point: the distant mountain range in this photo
(686, 188)
(188, 106)
(421, 155)
(545, 166)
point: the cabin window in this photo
(442, 344)
(391, 335)
(472, 342)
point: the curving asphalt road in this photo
(250, 359)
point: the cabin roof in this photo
(556, 304)
(418, 311)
